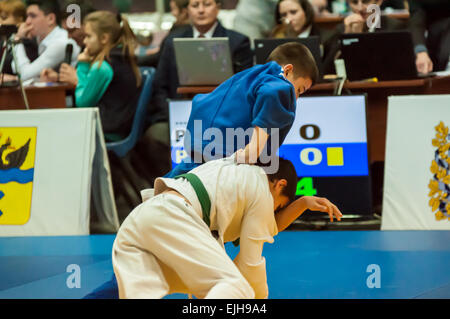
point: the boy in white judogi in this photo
(165, 245)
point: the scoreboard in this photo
(327, 145)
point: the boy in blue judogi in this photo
(261, 98)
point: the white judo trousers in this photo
(165, 247)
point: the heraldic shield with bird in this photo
(440, 183)
(17, 156)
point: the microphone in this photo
(69, 52)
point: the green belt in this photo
(202, 196)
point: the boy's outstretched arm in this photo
(250, 154)
(289, 214)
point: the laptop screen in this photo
(327, 145)
(203, 61)
(388, 56)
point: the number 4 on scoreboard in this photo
(305, 187)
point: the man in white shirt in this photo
(43, 18)
(166, 245)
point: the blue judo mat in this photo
(300, 265)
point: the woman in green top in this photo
(107, 75)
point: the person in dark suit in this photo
(358, 22)
(204, 23)
(203, 14)
(432, 17)
(13, 12)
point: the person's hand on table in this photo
(68, 74)
(354, 23)
(49, 75)
(424, 64)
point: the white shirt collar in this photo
(306, 33)
(57, 32)
(208, 34)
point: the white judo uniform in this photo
(165, 247)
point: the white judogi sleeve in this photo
(258, 226)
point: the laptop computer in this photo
(263, 48)
(388, 56)
(203, 61)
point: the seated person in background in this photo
(74, 32)
(321, 7)
(358, 22)
(203, 15)
(295, 18)
(13, 12)
(178, 8)
(254, 18)
(107, 74)
(431, 17)
(68, 73)
(145, 46)
(43, 18)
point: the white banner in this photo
(416, 179)
(341, 119)
(46, 166)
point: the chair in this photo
(121, 149)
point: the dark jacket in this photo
(118, 104)
(31, 49)
(432, 16)
(332, 46)
(166, 81)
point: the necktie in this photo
(201, 35)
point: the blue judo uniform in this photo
(259, 96)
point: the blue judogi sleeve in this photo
(274, 105)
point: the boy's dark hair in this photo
(299, 56)
(48, 6)
(286, 170)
